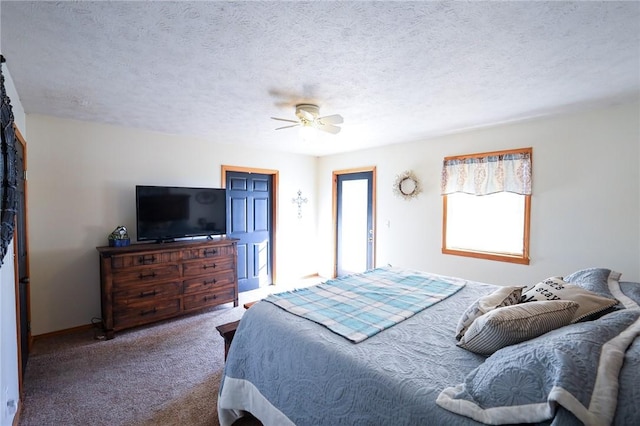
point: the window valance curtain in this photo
(488, 174)
(8, 170)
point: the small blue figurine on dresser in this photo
(119, 237)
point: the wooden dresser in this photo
(144, 283)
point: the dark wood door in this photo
(20, 240)
(354, 222)
(249, 220)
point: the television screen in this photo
(169, 212)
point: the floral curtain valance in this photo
(488, 174)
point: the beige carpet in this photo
(165, 374)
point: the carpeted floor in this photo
(165, 374)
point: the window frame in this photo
(523, 258)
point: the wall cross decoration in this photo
(299, 200)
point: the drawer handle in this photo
(210, 252)
(147, 293)
(213, 281)
(207, 298)
(149, 312)
(151, 275)
(147, 259)
(209, 266)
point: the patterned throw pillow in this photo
(514, 324)
(504, 296)
(591, 304)
(597, 280)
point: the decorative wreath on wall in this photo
(407, 185)
(8, 171)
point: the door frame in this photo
(224, 168)
(20, 139)
(334, 213)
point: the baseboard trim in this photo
(302, 278)
(88, 327)
(16, 417)
(77, 329)
(316, 275)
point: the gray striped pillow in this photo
(509, 325)
(504, 296)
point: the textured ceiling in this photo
(396, 71)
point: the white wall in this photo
(8, 334)
(585, 205)
(8, 327)
(82, 179)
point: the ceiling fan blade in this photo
(284, 119)
(286, 127)
(331, 119)
(328, 128)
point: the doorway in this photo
(251, 218)
(22, 257)
(354, 216)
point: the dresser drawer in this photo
(133, 260)
(212, 298)
(144, 275)
(147, 293)
(131, 315)
(144, 283)
(208, 252)
(206, 283)
(209, 266)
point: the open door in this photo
(22, 258)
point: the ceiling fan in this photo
(309, 116)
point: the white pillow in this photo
(513, 324)
(557, 289)
(504, 296)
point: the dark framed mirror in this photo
(8, 170)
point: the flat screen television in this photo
(166, 213)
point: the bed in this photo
(285, 369)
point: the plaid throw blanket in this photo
(361, 305)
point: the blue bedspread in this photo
(576, 367)
(361, 305)
(287, 370)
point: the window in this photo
(487, 205)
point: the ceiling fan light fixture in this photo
(308, 116)
(307, 111)
(308, 133)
